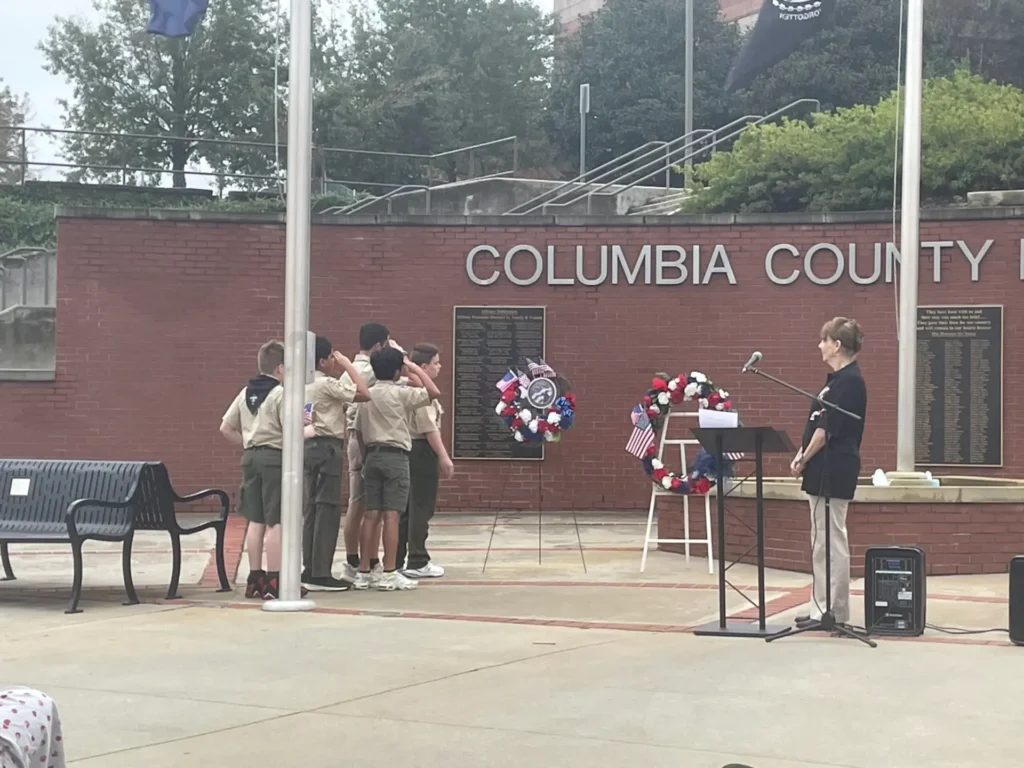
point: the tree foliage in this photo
(631, 53)
(972, 139)
(14, 111)
(215, 85)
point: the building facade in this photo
(570, 12)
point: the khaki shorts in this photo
(261, 486)
(386, 480)
(355, 476)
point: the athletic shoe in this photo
(350, 573)
(390, 582)
(326, 584)
(256, 585)
(428, 571)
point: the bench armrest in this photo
(225, 506)
(74, 506)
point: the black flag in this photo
(781, 26)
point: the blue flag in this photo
(175, 18)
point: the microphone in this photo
(754, 360)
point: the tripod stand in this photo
(827, 622)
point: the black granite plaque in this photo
(960, 386)
(489, 341)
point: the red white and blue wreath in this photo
(648, 419)
(532, 405)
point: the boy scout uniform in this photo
(261, 492)
(384, 425)
(241, 419)
(414, 519)
(324, 455)
(361, 363)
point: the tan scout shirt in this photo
(330, 397)
(267, 431)
(361, 363)
(425, 420)
(239, 417)
(385, 419)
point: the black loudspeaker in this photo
(1017, 600)
(894, 591)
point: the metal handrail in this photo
(358, 205)
(650, 169)
(668, 164)
(624, 159)
(23, 254)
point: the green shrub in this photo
(972, 139)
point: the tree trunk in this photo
(179, 159)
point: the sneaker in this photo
(272, 591)
(428, 571)
(362, 580)
(350, 573)
(390, 582)
(256, 585)
(376, 574)
(326, 584)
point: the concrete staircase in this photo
(661, 205)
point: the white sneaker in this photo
(361, 581)
(376, 574)
(350, 573)
(390, 582)
(428, 571)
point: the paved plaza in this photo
(520, 663)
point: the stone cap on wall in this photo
(954, 490)
(396, 220)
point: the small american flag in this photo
(734, 456)
(507, 381)
(539, 369)
(524, 380)
(643, 434)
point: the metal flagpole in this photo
(909, 242)
(584, 111)
(688, 86)
(296, 309)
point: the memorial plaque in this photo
(960, 386)
(489, 341)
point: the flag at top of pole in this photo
(781, 26)
(175, 18)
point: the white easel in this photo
(657, 491)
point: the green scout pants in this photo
(414, 520)
(261, 486)
(321, 512)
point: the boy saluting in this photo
(382, 426)
(321, 519)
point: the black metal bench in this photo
(43, 502)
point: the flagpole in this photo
(688, 88)
(296, 309)
(906, 399)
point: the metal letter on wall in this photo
(487, 342)
(959, 386)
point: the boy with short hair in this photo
(382, 426)
(372, 336)
(239, 426)
(328, 398)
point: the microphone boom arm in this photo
(805, 393)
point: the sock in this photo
(391, 571)
(374, 563)
(353, 560)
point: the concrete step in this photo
(661, 206)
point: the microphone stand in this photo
(828, 622)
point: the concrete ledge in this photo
(1004, 197)
(954, 490)
(26, 374)
(683, 220)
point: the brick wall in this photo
(956, 538)
(159, 322)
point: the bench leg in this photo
(172, 589)
(5, 556)
(126, 570)
(222, 571)
(76, 586)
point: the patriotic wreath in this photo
(649, 418)
(537, 407)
